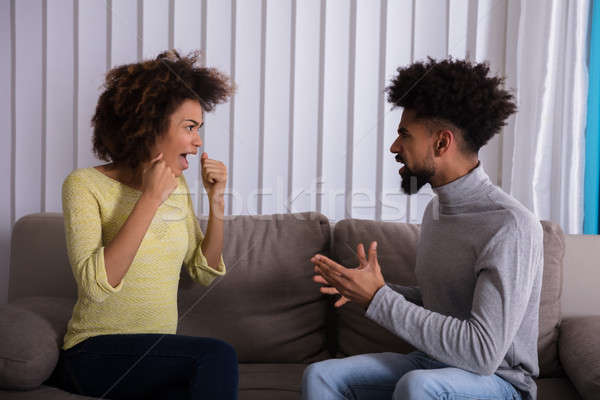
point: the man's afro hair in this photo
(457, 91)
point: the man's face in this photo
(414, 149)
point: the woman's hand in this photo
(214, 177)
(158, 180)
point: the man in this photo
(474, 315)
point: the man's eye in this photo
(190, 127)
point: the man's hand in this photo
(358, 285)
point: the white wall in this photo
(581, 280)
(308, 128)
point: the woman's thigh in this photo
(148, 366)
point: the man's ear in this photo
(442, 143)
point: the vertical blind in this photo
(308, 128)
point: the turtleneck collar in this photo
(465, 188)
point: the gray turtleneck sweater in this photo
(479, 273)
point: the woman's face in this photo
(182, 137)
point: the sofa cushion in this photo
(28, 350)
(396, 251)
(45, 271)
(580, 353)
(549, 324)
(266, 305)
(43, 392)
(34, 328)
(556, 389)
(396, 246)
(56, 311)
(270, 381)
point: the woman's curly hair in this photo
(457, 92)
(138, 100)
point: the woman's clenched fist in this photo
(158, 180)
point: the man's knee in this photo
(416, 384)
(323, 377)
(315, 372)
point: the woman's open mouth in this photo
(184, 161)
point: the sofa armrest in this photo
(28, 350)
(579, 353)
(55, 310)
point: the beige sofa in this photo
(267, 306)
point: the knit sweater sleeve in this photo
(505, 272)
(195, 262)
(410, 293)
(83, 231)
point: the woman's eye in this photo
(190, 128)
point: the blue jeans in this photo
(399, 376)
(140, 366)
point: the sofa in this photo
(268, 307)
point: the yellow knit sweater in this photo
(95, 207)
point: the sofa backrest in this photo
(39, 265)
(396, 252)
(266, 305)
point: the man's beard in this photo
(413, 181)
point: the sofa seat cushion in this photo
(281, 382)
(42, 392)
(266, 306)
(270, 381)
(556, 389)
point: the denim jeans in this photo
(148, 366)
(399, 376)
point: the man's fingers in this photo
(326, 274)
(329, 264)
(320, 279)
(341, 301)
(331, 274)
(373, 252)
(329, 290)
(360, 253)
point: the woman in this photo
(130, 225)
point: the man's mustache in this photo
(399, 159)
